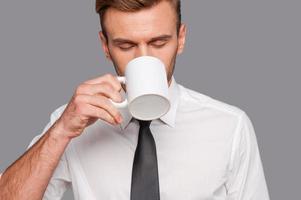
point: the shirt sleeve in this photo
(61, 179)
(246, 176)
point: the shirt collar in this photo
(169, 118)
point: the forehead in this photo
(145, 23)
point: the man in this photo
(206, 149)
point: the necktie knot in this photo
(144, 124)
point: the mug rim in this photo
(152, 94)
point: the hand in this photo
(89, 103)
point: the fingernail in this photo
(119, 119)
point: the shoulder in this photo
(218, 115)
(194, 100)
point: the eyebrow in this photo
(161, 37)
(123, 40)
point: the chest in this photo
(190, 165)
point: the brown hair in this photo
(132, 6)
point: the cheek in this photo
(120, 60)
(168, 56)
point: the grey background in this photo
(245, 53)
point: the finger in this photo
(106, 78)
(99, 113)
(105, 89)
(104, 103)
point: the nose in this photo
(143, 50)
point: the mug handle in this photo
(123, 104)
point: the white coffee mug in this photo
(146, 88)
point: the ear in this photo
(104, 44)
(181, 38)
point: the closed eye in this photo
(125, 46)
(158, 43)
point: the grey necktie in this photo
(145, 179)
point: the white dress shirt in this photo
(206, 150)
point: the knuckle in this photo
(114, 81)
(101, 101)
(79, 89)
(109, 107)
(109, 119)
(118, 86)
(116, 96)
(78, 99)
(100, 113)
(111, 92)
(105, 102)
(109, 76)
(108, 87)
(80, 109)
(113, 111)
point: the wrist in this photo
(58, 132)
